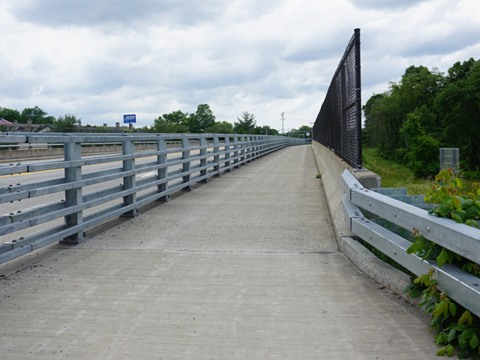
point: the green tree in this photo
(427, 109)
(10, 115)
(246, 124)
(265, 130)
(460, 71)
(301, 132)
(458, 108)
(383, 123)
(370, 120)
(146, 129)
(421, 148)
(221, 127)
(176, 117)
(201, 120)
(386, 113)
(163, 126)
(36, 115)
(65, 123)
(175, 122)
(419, 87)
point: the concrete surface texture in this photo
(244, 267)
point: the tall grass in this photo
(394, 174)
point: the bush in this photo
(423, 157)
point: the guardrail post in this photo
(248, 148)
(186, 163)
(242, 151)
(129, 180)
(203, 158)
(253, 141)
(227, 153)
(270, 143)
(258, 147)
(235, 151)
(216, 157)
(162, 172)
(73, 197)
(254, 147)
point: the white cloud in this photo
(101, 59)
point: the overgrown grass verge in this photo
(399, 176)
(393, 174)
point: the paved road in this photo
(244, 267)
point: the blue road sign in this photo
(129, 119)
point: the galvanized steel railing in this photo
(79, 192)
(459, 238)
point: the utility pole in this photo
(283, 120)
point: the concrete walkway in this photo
(244, 267)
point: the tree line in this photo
(204, 121)
(424, 111)
(38, 116)
(201, 121)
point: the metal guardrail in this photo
(92, 196)
(459, 238)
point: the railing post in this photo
(269, 143)
(227, 153)
(163, 171)
(259, 146)
(216, 157)
(129, 180)
(235, 151)
(203, 158)
(73, 197)
(242, 151)
(186, 163)
(249, 148)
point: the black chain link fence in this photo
(338, 125)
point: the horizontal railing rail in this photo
(95, 189)
(459, 238)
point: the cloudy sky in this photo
(101, 59)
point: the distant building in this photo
(28, 127)
(4, 122)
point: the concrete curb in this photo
(374, 267)
(331, 168)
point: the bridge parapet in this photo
(331, 167)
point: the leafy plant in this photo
(453, 202)
(455, 327)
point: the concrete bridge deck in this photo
(244, 267)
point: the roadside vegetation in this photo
(457, 330)
(404, 129)
(398, 175)
(394, 174)
(202, 120)
(424, 111)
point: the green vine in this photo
(456, 329)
